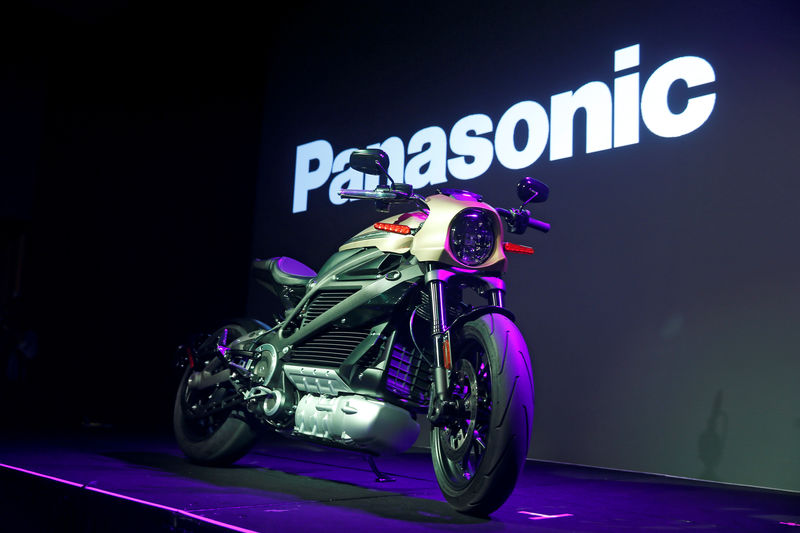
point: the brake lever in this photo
(384, 196)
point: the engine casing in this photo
(356, 422)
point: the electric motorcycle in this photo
(407, 319)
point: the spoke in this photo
(465, 440)
(470, 465)
(458, 468)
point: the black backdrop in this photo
(152, 154)
(130, 155)
(662, 308)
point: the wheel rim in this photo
(196, 425)
(193, 402)
(462, 444)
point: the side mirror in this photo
(530, 190)
(370, 161)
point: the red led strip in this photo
(394, 228)
(517, 248)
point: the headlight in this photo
(472, 236)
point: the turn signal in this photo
(394, 228)
(517, 248)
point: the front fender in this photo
(478, 312)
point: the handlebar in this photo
(384, 195)
(541, 225)
(377, 194)
(519, 219)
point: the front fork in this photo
(441, 407)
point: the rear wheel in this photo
(478, 456)
(205, 433)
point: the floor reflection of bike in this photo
(406, 319)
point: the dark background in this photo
(131, 138)
(149, 154)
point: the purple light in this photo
(136, 500)
(465, 270)
(223, 341)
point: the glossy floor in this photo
(283, 484)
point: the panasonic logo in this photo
(612, 121)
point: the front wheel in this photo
(479, 455)
(220, 437)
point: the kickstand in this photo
(380, 477)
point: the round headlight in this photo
(472, 236)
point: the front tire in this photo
(479, 455)
(219, 439)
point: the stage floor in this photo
(285, 484)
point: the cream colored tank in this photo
(428, 240)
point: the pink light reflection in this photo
(540, 516)
(136, 500)
(37, 474)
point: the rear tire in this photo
(478, 458)
(219, 439)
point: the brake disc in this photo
(457, 435)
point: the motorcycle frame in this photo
(385, 293)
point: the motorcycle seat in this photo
(283, 271)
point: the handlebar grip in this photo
(352, 193)
(544, 227)
(377, 194)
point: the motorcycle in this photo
(406, 319)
